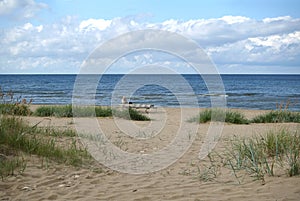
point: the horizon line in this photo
(149, 74)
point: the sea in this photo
(266, 92)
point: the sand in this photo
(179, 181)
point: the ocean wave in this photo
(221, 95)
(245, 94)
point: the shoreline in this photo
(34, 106)
(249, 113)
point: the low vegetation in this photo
(12, 106)
(278, 116)
(17, 138)
(68, 111)
(234, 117)
(11, 166)
(273, 154)
(266, 154)
(21, 107)
(130, 114)
(220, 115)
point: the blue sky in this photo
(258, 36)
(160, 10)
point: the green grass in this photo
(15, 109)
(220, 115)
(11, 166)
(67, 111)
(130, 114)
(11, 106)
(17, 136)
(56, 111)
(53, 132)
(260, 154)
(273, 154)
(277, 116)
(103, 112)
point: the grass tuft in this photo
(130, 114)
(20, 137)
(68, 111)
(278, 116)
(11, 106)
(259, 155)
(56, 111)
(220, 115)
(11, 166)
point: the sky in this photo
(43, 36)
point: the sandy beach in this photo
(182, 180)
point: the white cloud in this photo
(235, 19)
(274, 19)
(229, 40)
(229, 29)
(20, 8)
(90, 24)
(276, 42)
(283, 49)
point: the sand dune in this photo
(179, 181)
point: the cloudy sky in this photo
(43, 36)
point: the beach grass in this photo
(15, 109)
(220, 115)
(14, 106)
(11, 166)
(69, 111)
(89, 111)
(17, 137)
(272, 154)
(278, 116)
(130, 114)
(260, 155)
(55, 111)
(235, 117)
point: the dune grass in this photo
(17, 137)
(55, 111)
(278, 116)
(261, 155)
(220, 115)
(130, 114)
(234, 117)
(68, 111)
(13, 106)
(273, 154)
(11, 166)
(15, 109)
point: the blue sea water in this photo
(242, 91)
